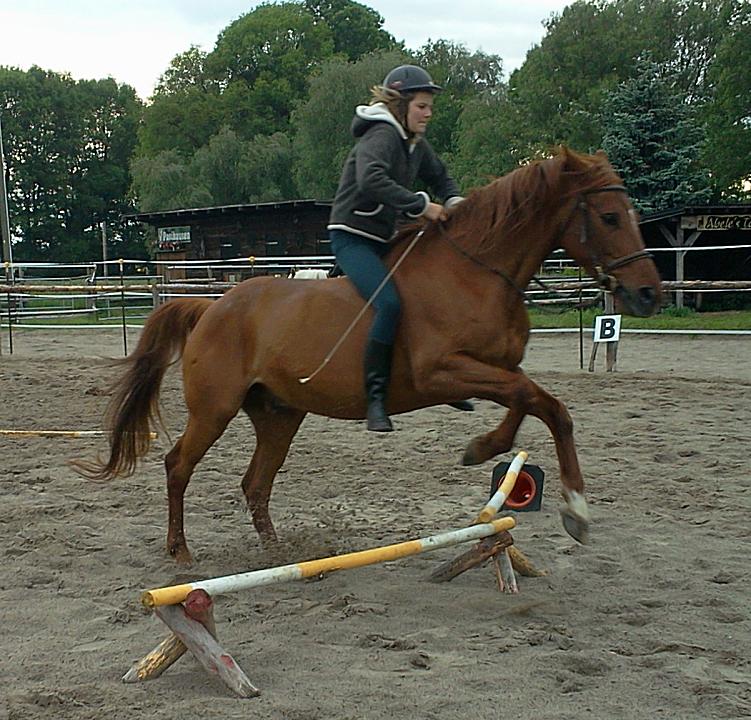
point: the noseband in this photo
(603, 270)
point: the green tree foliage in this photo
(592, 46)
(226, 171)
(263, 61)
(728, 114)
(321, 124)
(185, 109)
(654, 140)
(357, 30)
(485, 140)
(67, 147)
(464, 75)
(164, 182)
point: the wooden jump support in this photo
(186, 609)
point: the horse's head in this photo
(600, 230)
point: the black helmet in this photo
(410, 78)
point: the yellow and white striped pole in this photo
(504, 489)
(59, 433)
(311, 568)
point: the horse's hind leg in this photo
(275, 427)
(200, 434)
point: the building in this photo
(252, 235)
(695, 227)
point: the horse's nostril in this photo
(647, 295)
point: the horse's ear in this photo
(572, 161)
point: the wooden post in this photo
(199, 606)
(611, 349)
(484, 550)
(214, 659)
(193, 629)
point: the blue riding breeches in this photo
(361, 260)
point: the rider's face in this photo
(419, 112)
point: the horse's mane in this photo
(531, 191)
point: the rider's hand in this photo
(435, 211)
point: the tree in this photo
(321, 124)
(485, 140)
(592, 46)
(263, 61)
(654, 140)
(728, 114)
(464, 76)
(357, 30)
(67, 147)
(185, 110)
(267, 170)
(164, 182)
(226, 171)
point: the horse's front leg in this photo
(514, 390)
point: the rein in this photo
(603, 278)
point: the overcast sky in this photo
(135, 41)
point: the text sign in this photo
(607, 328)
(173, 238)
(723, 222)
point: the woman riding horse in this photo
(390, 154)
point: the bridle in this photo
(603, 277)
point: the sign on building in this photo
(716, 222)
(171, 239)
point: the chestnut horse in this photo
(462, 334)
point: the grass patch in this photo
(670, 318)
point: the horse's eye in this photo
(610, 219)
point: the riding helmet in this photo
(409, 79)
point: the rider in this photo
(374, 190)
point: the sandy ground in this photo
(651, 620)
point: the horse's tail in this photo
(134, 407)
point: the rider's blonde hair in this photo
(396, 102)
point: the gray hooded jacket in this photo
(382, 166)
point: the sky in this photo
(134, 42)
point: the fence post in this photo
(156, 298)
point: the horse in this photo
(307, 274)
(463, 331)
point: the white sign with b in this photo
(607, 328)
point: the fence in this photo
(90, 295)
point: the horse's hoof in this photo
(575, 525)
(474, 454)
(182, 555)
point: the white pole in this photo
(504, 488)
(4, 218)
(312, 568)
(104, 248)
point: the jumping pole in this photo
(312, 568)
(60, 433)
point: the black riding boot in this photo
(377, 376)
